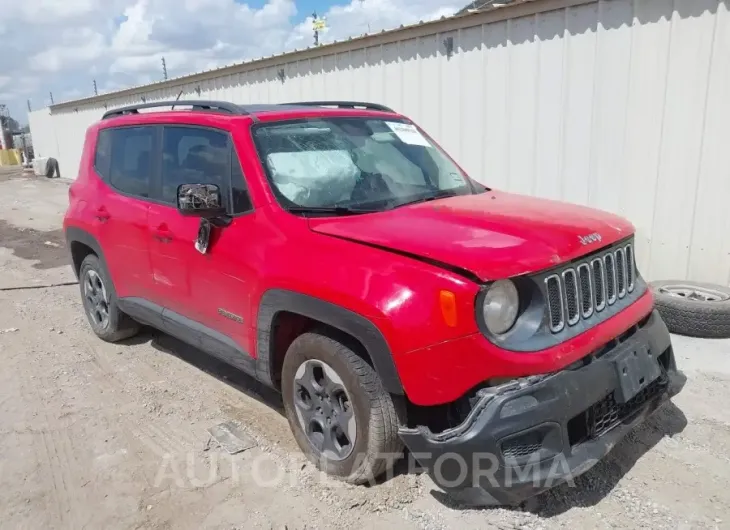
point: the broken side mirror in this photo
(200, 200)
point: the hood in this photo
(492, 235)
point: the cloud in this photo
(61, 46)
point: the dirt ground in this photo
(95, 435)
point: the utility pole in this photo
(96, 92)
(316, 31)
(164, 69)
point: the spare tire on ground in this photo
(694, 309)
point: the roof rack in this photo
(344, 105)
(206, 106)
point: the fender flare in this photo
(75, 234)
(277, 300)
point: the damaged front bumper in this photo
(527, 436)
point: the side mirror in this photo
(200, 200)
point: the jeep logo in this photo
(595, 237)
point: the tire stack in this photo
(693, 309)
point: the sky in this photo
(61, 46)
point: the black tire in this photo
(377, 444)
(52, 168)
(703, 316)
(118, 325)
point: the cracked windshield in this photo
(355, 163)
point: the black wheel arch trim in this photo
(275, 301)
(75, 234)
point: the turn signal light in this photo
(447, 300)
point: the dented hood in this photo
(492, 235)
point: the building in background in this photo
(481, 5)
(621, 105)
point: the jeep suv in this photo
(333, 251)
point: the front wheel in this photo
(341, 416)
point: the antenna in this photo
(164, 69)
(51, 94)
(96, 92)
(177, 98)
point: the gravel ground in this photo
(95, 435)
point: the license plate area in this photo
(635, 368)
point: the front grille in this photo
(571, 296)
(610, 265)
(621, 272)
(555, 303)
(630, 272)
(586, 290)
(588, 287)
(599, 283)
(606, 414)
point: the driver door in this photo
(190, 155)
(204, 294)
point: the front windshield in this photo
(355, 163)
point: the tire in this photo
(117, 325)
(377, 444)
(52, 168)
(694, 309)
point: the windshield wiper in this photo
(336, 210)
(443, 194)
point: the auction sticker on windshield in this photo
(408, 133)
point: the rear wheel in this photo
(340, 414)
(99, 298)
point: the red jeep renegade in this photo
(333, 251)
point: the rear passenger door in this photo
(124, 160)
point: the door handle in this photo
(162, 234)
(102, 214)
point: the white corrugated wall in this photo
(623, 105)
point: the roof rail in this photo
(215, 106)
(344, 105)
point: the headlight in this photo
(501, 305)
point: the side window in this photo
(192, 155)
(103, 155)
(131, 159)
(241, 198)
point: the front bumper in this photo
(526, 437)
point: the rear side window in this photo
(194, 155)
(103, 155)
(124, 158)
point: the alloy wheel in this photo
(324, 410)
(96, 298)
